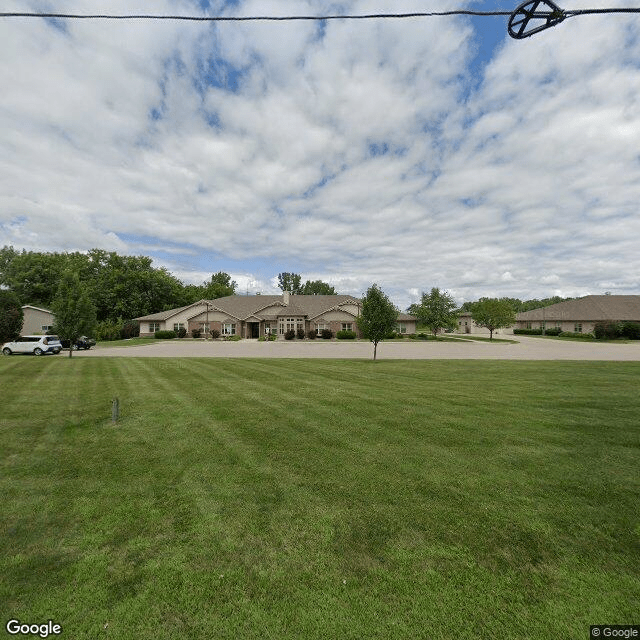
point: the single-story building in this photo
(36, 320)
(582, 314)
(259, 315)
(468, 326)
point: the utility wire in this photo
(370, 16)
(144, 16)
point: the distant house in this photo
(256, 316)
(468, 326)
(582, 314)
(36, 320)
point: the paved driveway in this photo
(528, 348)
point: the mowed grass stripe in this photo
(320, 498)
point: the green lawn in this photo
(319, 499)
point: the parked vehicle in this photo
(83, 342)
(37, 345)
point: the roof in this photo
(30, 306)
(406, 317)
(264, 307)
(165, 315)
(589, 309)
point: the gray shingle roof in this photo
(589, 309)
(267, 307)
(311, 306)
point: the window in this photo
(177, 326)
(346, 326)
(205, 327)
(46, 327)
(290, 324)
(577, 327)
(320, 328)
(528, 325)
(229, 329)
(154, 326)
(558, 325)
(401, 328)
(267, 328)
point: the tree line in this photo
(118, 286)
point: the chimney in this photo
(285, 298)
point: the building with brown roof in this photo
(582, 314)
(259, 315)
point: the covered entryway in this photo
(253, 329)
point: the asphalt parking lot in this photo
(527, 348)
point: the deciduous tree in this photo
(437, 310)
(11, 316)
(317, 288)
(74, 312)
(378, 318)
(290, 282)
(493, 314)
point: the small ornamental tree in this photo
(437, 310)
(74, 312)
(378, 318)
(493, 314)
(11, 316)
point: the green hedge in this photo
(346, 335)
(164, 335)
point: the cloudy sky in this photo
(413, 153)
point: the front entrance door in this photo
(254, 330)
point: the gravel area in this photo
(527, 348)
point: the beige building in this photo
(256, 316)
(468, 326)
(582, 314)
(36, 320)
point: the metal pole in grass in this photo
(115, 410)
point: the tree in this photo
(11, 316)
(290, 282)
(219, 286)
(437, 310)
(493, 314)
(317, 288)
(378, 318)
(74, 312)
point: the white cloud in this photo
(356, 150)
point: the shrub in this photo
(553, 331)
(215, 334)
(346, 335)
(182, 332)
(290, 335)
(326, 334)
(262, 339)
(107, 330)
(571, 334)
(129, 329)
(527, 332)
(272, 337)
(232, 338)
(164, 335)
(607, 330)
(195, 333)
(312, 334)
(631, 330)
(300, 334)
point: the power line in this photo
(518, 27)
(145, 16)
(369, 16)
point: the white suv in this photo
(33, 344)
